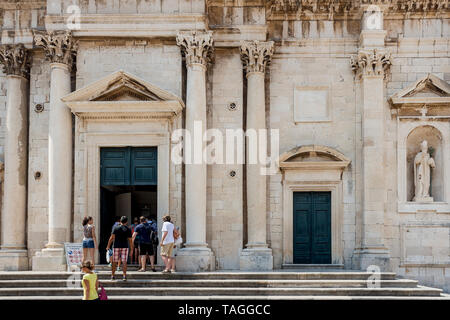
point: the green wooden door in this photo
(128, 166)
(312, 227)
(143, 166)
(115, 166)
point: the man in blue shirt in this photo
(146, 239)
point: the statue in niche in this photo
(423, 162)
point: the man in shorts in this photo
(167, 242)
(121, 236)
(146, 238)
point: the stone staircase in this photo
(282, 284)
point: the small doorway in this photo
(312, 227)
(128, 187)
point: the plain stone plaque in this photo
(311, 104)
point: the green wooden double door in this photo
(312, 227)
(128, 166)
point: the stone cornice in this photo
(109, 110)
(15, 60)
(197, 46)
(256, 55)
(59, 46)
(303, 9)
(372, 62)
(149, 25)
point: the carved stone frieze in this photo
(374, 62)
(197, 47)
(59, 46)
(15, 60)
(256, 55)
(278, 8)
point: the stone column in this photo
(196, 256)
(371, 66)
(60, 50)
(256, 256)
(13, 253)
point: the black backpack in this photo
(154, 237)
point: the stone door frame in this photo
(88, 202)
(335, 187)
(318, 174)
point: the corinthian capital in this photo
(197, 46)
(256, 55)
(374, 62)
(15, 60)
(59, 46)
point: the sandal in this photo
(173, 270)
(166, 271)
(153, 269)
(141, 270)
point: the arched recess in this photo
(435, 147)
(313, 168)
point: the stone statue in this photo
(422, 174)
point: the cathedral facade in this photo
(102, 102)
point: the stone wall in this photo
(224, 201)
(424, 234)
(38, 154)
(311, 66)
(127, 6)
(158, 62)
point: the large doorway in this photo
(128, 187)
(312, 227)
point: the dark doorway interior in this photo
(130, 201)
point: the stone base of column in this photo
(364, 258)
(49, 259)
(13, 260)
(256, 259)
(195, 260)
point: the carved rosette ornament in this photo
(15, 60)
(256, 55)
(197, 47)
(374, 62)
(59, 46)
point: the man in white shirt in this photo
(167, 243)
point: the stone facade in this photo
(352, 87)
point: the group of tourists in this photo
(139, 240)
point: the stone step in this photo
(316, 267)
(199, 291)
(104, 275)
(227, 298)
(403, 283)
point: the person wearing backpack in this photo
(146, 239)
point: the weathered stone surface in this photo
(313, 45)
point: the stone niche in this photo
(434, 138)
(423, 113)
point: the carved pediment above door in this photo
(313, 157)
(125, 96)
(430, 91)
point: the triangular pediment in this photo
(123, 96)
(430, 90)
(120, 86)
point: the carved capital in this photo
(59, 46)
(374, 62)
(15, 60)
(197, 46)
(256, 55)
